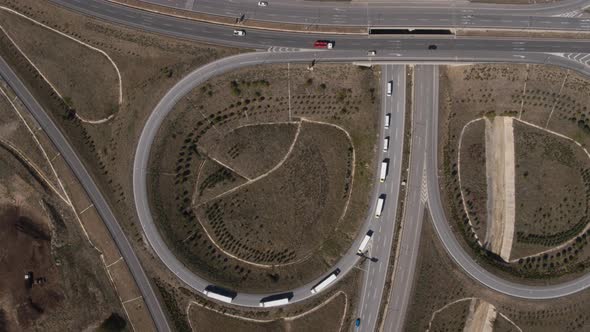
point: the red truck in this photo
(329, 44)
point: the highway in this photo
(393, 13)
(425, 102)
(75, 164)
(221, 66)
(384, 227)
(459, 255)
(265, 39)
(292, 47)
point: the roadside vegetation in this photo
(548, 104)
(332, 310)
(444, 308)
(271, 185)
(90, 89)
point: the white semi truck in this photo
(217, 296)
(326, 282)
(380, 206)
(274, 303)
(384, 166)
(365, 242)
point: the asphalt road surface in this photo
(264, 39)
(392, 13)
(462, 257)
(231, 63)
(450, 50)
(384, 226)
(425, 102)
(70, 156)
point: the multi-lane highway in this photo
(265, 39)
(384, 226)
(350, 48)
(101, 205)
(394, 13)
(425, 102)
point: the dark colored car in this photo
(432, 47)
(357, 322)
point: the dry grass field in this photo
(90, 87)
(326, 318)
(451, 318)
(473, 176)
(440, 282)
(550, 171)
(268, 192)
(543, 160)
(285, 216)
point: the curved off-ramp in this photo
(204, 73)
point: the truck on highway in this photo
(365, 242)
(220, 294)
(329, 44)
(274, 303)
(325, 282)
(219, 297)
(387, 120)
(389, 88)
(386, 144)
(384, 166)
(380, 206)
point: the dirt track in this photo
(500, 177)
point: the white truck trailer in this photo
(384, 166)
(386, 144)
(274, 303)
(387, 120)
(380, 206)
(365, 242)
(326, 282)
(217, 296)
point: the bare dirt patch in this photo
(69, 288)
(545, 97)
(291, 222)
(500, 183)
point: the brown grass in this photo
(470, 92)
(326, 318)
(85, 78)
(292, 215)
(440, 281)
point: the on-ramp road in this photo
(425, 102)
(384, 227)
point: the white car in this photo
(372, 53)
(240, 33)
(262, 3)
